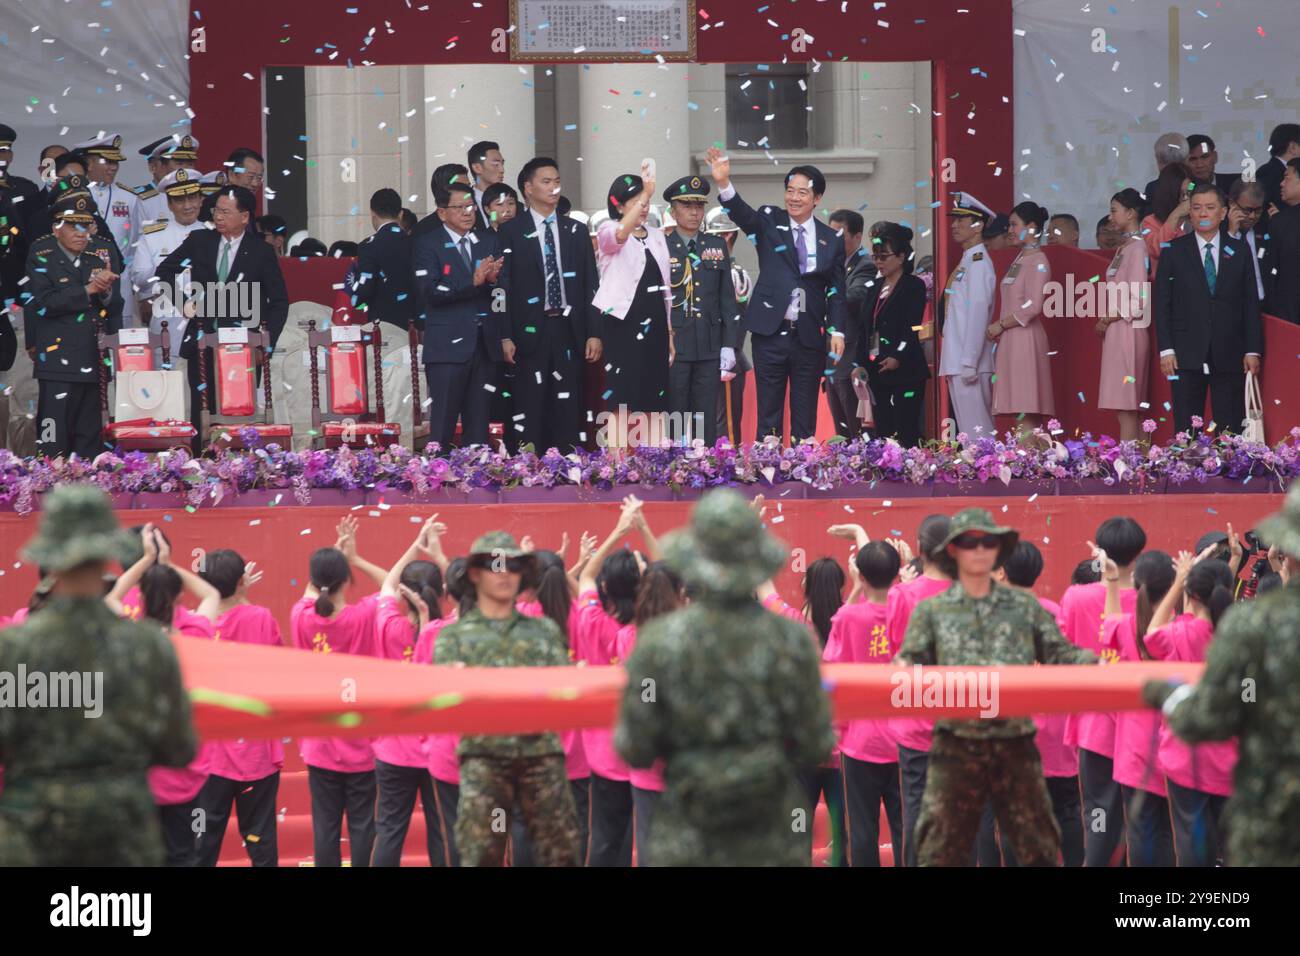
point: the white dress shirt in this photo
(540, 224)
(1249, 240)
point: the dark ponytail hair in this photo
(459, 588)
(823, 588)
(617, 583)
(1210, 583)
(552, 590)
(160, 586)
(425, 579)
(1031, 214)
(930, 535)
(330, 572)
(224, 570)
(661, 591)
(1153, 576)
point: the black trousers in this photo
(521, 853)
(456, 391)
(447, 796)
(68, 419)
(843, 403)
(912, 766)
(816, 782)
(1198, 834)
(332, 793)
(551, 406)
(898, 412)
(398, 787)
(693, 389)
(254, 803)
(1150, 834)
(180, 839)
(1103, 811)
(1227, 398)
(611, 822)
(782, 361)
(866, 786)
(643, 808)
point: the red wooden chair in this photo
(348, 420)
(132, 350)
(236, 353)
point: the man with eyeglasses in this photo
(797, 314)
(980, 623)
(1245, 210)
(1282, 255)
(488, 167)
(243, 167)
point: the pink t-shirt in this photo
(653, 778)
(1080, 620)
(246, 759)
(576, 764)
(20, 615)
(439, 749)
(351, 631)
(397, 637)
(1135, 730)
(171, 785)
(594, 639)
(859, 635)
(1205, 767)
(911, 732)
(1059, 758)
(777, 605)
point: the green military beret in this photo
(725, 550)
(77, 526)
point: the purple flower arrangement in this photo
(1042, 456)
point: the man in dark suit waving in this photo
(220, 261)
(456, 268)
(797, 314)
(549, 278)
(1207, 316)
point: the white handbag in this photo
(157, 395)
(1252, 427)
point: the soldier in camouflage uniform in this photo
(75, 787)
(978, 622)
(500, 772)
(1250, 690)
(729, 695)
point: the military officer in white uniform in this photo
(117, 206)
(966, 354)
(183, 191)
(164, 156)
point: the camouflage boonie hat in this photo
(1282, 528)
(77, 526)
(978, 519)
(726, 549)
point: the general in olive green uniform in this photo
(730, 697)
(501, 772)
(975, 761)
(1250, 690)
(75, 790)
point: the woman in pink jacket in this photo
(1022, 383)
(1125, 325)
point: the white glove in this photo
(728, 357)
(969, 376)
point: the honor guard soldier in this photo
(117, 204)
(706, 315)
(72, 291)
(184, 196)
(164, 156)
(731, 396)
(966, 354)
(24, 194)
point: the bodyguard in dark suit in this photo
(1207, 317)
(1282, 250)
(858, 273)
(797, 313)
(231, 254)
(455, 273)
(381, 280)
(549, 277)
(1283, 146)
(706, 317)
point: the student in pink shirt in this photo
(1142, 784)
(607, 589)
(340, 770)
(1082, 610)
(245, 773)
(1199, 778)
(175, 791)
(868, 751)
(410, 596)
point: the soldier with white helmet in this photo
(731, 397)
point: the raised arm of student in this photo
(626, 519)
(389, 586)
(132, 575)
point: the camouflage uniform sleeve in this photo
(1051, 645)
(638, 735)
(447, 648)
(1214, 709)
(176, 743)
(810, 736)
(556, 648)
(918, 644)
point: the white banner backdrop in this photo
(73, 69)
(1086, 122)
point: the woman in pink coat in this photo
(1124, 325)
(1022, 383)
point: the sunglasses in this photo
(969, 542)
(513, 565)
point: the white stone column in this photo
(630, 112)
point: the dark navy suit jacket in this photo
(454, 308)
